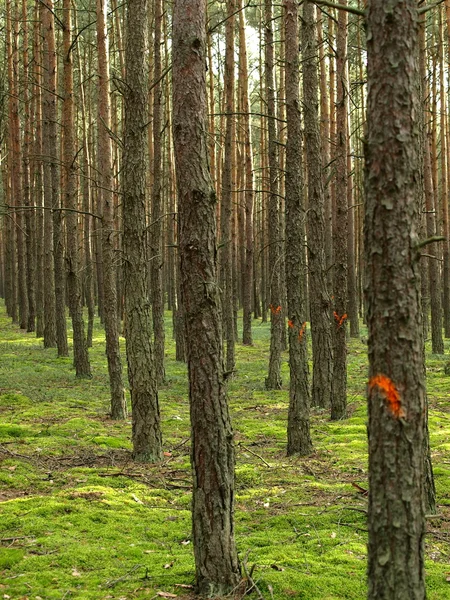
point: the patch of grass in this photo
(78, 519)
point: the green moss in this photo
(9, 557)
(14, 431)
(82, 521)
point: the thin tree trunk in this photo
(30, 214)
(87, 206)
(36, 175)
(118, 402)
(15, 162)
(80, 351)
(351, 246)
(52, 156)
(156, 248)
(147, 443)
(434, 287)
(247, 267)
(340, 233)
(273, 380)
(226, 205)
(49, 266)
(319, 298)
(325, 145)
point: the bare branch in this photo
(355, 11)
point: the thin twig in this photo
(255, 454)
(110, 584)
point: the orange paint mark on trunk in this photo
(302, 331)
(339, 320)
(392, 395)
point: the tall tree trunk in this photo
(87, 203)
(52, 156)
(319, 298)
(156, 246)
(443, 203)
(325, 154)
(247, 267)
(273, 380)
(80, 351)
(37, 183)
(147, 443)
(212, 454)
(17, 183)
(49, 266)
(445, 216)
(351, 246)
(15, 160)
(340, 233)
(430, 194)
(118, 402)
(299, 439)
(30, 214)
(226, 205)
(396, 392)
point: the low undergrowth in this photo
(79, 520)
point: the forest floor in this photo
(79, 520)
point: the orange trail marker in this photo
(339, 320)
(388, 387)
(302, 331)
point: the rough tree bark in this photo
(105, 173)
(30, 214)
(248, 185)
(319, 298)
(53, 185)
(80, 350)
(49, 267)
(340, 230)
(36, 177)
(299, 438)
(212, 454)
(273, 380)
(147, 443)
(226, 204)
(396, 391)
(156, 249)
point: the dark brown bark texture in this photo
(273, 380)
(30, 215)
(118, 402)
(319, 298)
(80, 351)
(147, 443)
(340, 230)
(52, 156)
(212, 453)
(299, 439)
(49, 267)
(247, 280)
(156, 253)
(396, 394)
(226, 205)
(429, 193)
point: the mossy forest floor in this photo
(79, 520)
